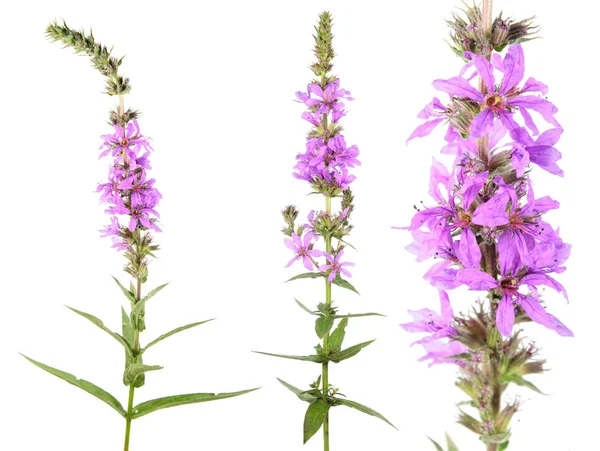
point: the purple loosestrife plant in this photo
(326, 166)
(132, 200)
(486, 227)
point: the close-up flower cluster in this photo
(486, 229)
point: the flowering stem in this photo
(325, 367)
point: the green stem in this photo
(324, 365)
(136, 349)
(128, 420)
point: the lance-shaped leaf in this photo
(173, 332)
(307, 396)
(323, 325)
(128, 294)
(307, 275)
(92, 389)
(436, 444)
(348, 352)
(135, 370)
(503, 446)
(337, 336)
(153, 292)
(356, 315)
(179, 400)
(343, 283)
(363, 409)
(315, 415)
(520, 381)
(305, 308)
(307, 358)
(98, 322)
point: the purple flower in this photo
(128, 191)
(335, 266)
(325, 101)
(439, 327)
(128, 139)
(501, 101)
(513, 276)
(303, 249)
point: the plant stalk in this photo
(325, 365)
(136, 350)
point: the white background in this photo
(216, 84)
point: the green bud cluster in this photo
(468, 34)
(101, 58)
(323, 49)
(491, 364)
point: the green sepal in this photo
(503, 446)
(305, 308)
(307, 358)
(356, 315)
(135, 370)
(314, 418)
(307, 275)
(303, 395)
(128, 294)
(343, 283)
(173, 332)
(179, 400)
(361, 408)
(348, 352)
(323, 325)
(98, 322)
(337, 337)
(92, 389)
(520, 381)
(436, 444)
(498, 438)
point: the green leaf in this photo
(101, 325)
(151, 293)
(315, 415)
(307, 358)
(304, 307)
(173, 332)
(437, 446)
(303, 395)
(128, 294)
(363, 409)
(451, 445)
(343, 283)
(84, 385)
(518, 380)
(503, 446)
(136, 370)
(349, 352)
(337, 336)
(323, 325)
(356, 315)
(307, 275)
(179, 400)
